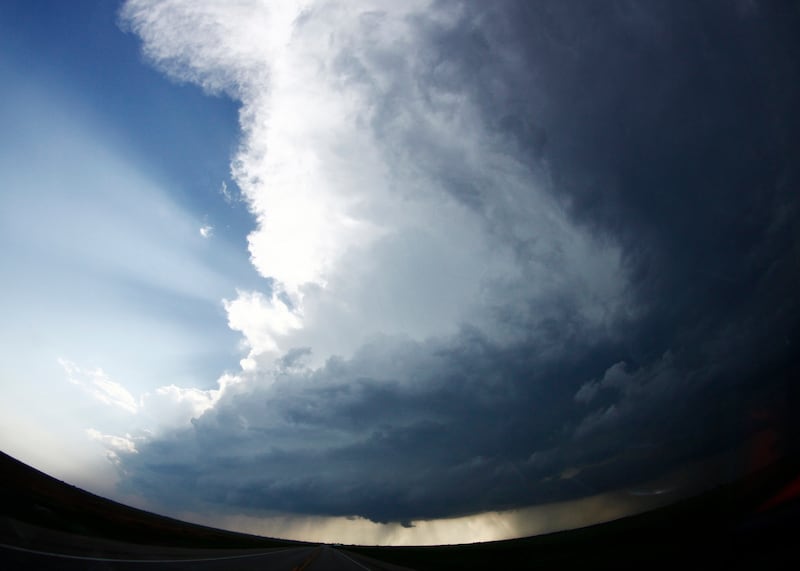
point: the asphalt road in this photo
(320, 558)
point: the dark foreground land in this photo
(47, 524)
(752, 524)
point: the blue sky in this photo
(109, 172)
(79, 56)
(431, 272)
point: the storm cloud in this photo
(515, 252)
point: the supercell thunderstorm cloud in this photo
(510, 253)
(501, 240)
(429, 291)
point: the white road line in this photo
(352, 560)
(115, 560)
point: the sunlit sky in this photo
(381, 272)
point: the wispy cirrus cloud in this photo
(100, 387)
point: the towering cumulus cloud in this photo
(384, 202)
(485, 230)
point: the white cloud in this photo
(261, 320)
(226, 192)
(355, 169)
(207, 231)
(97, 383)
(113, 443)
(171, 406)
(153, 412)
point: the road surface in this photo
(321, 558)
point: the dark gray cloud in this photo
(347, 439)
(669, 129)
